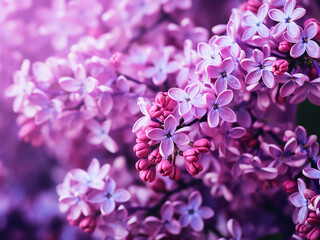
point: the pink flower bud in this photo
(116, 59)
(308, 193)
(279, 67)
(194, 168)
(191, 155)
(155, 111)
(253, 5)
(148, 175)
(142, 164)
(164, 167)
(154, 125)
(165, 101)
(316, 21)
(88, 224)
(203, 145)
(313, 219)
(141, 149)
(314, 234)
(289, 186)
(158, 185)
(302, 230)
(284, 46)
(72, 221)
(175, 173)
(142, 137)
(155, 156)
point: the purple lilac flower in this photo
(255, 23)
(234, 230)
(286, 19)
(290, 82)
(223, 75)
(109, 196)
(303, 42)
(299, 201)
(217, 108)
(259, 67)
(192, 213)
(210, 56)
(169, 135)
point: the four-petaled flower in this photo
(108, 198)
(218, 108)
(303, 42)
(290, 82)
(146, 119)
(255, 23)
(192, 213)
(300, 202)
(169, 135)
(187, 99)
(286, 19)
(223, 75)
(210, 56)
(259, 67)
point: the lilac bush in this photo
(155, 124)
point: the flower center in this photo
(108, 195)
(305, 40)
(258, 24)
(169, 135)
(262, 66)
(187, 99)
(224, 74)
(214, 106)
(288, 20)
(191, 211)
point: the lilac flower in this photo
(303, 41)
(290, 82)
(80, 85)
(286, 19)
(217, 108)
(160, 69)
(300, 202)
(255, 23)
(100, 134)
(167, 221)
(192, 213)
(259, 67)
(256, 166)
(286, 156)
(210, 56)
(108, 198)
(93, 177)
(188, 99)
(223, 75)
(230, 39)
(169, 135)
(312, 172)
(144, 121)
(309, 89)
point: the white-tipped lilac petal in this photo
(69, 84)
(279, 29)
(237, 132)
(249, 65)
(224, 98)
(313, 49)
(180, 138)
(253, 77)
(204, 50)
(177, 94)
(289, 6)
(170, 124)
(121, 195)
(248, 33)
(297, 50)
(107, 206)
(277, 15)
(227, 114)
(233, 82)
(268, 79)
(166, 147)
(110, 144)
(293, 30)
(221, 84)
(298, 13)
(311, 173)
(184, 108)
(263, 31)
(156, 134)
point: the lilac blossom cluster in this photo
(210, 119)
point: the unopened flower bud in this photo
(142, 137)
(142, 164)
(155, 111)
(314, 234)
(74, 222)
(158, 185)
(155, 156)
(316, 21)
(302, 229)
(203, 145)
(148, 175)
(253, 5)
(88, 224)
(191, 155)
(308, 193)
(141, 149)
(164, 167)
(154, 124)
(313, 219)
(289, 186)
(165, 101)
(279, 67)
(175, 173)
(194, 168)
(284, 46)
(116, 59)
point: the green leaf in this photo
(308, 116)
(273, 236)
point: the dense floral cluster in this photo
(210, 119)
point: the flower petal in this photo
(253, 77)
(177, 94)
(293, 30)
(205, 212)
(227, 114)
(277, 15)
(196, 223)
(233, 82)
(170, 124)
(180, 138)
(224, 98)
(107, 206)
(268, 78)
(166, 147)
(313, 49)
(184, 108)
(121, 195)
(204, 50)
(297, 50)
(248, 33)
(221, 84)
